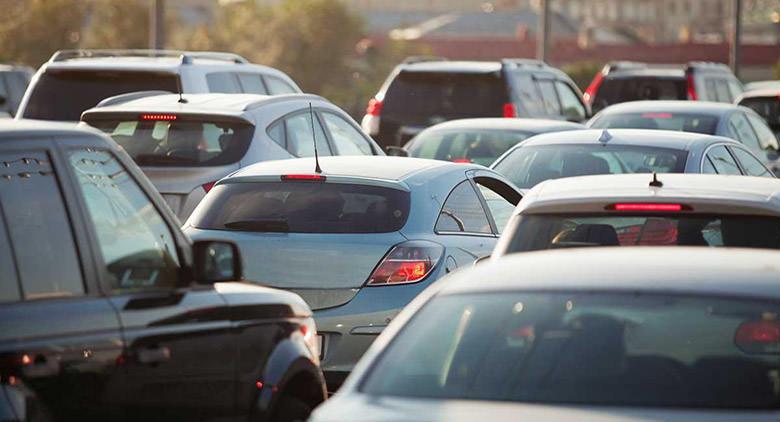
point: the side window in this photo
(711, 92)
(549, 97)
(300, 141)
(735, 89)
(723, 161)
(39, 228)
(744, 132)
(276, 132)
(766, 138)
(277, 86)
(137, 246)
(530, 102)
(707, 167)
(463, 212)
(252, 83)
(499, 207)
(223, 82)
(346, 139)
(750, 164)
(722, 89)
(570, 102)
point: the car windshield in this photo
(680, 122)
(303, 207)
(766, 107)
(64, 95)
(156, 140)
(529, 165)
(621, 90)
(467, 146)
(537, 232)
(596, 348)
(446, 94)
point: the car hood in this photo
(359, 407)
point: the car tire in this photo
(291, 409)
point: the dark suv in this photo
(109, 312)
(620, 82)
(418, 94)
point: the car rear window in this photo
(64, 95)
(529, 165)
(167, 140)
(620, 90)
(446, 94)
(680, 122)
(586, 348)
(537, 232)
(766, 107)
(467, 146)
(303, 207)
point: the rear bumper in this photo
(349, 330)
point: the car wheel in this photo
(292, 409)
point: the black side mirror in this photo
(394, 151)
(215, 261)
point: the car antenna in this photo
(179, 88)
(317, 168)
(655, 182)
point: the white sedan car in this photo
(600, 334)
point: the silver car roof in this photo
(705, 193)
(638, 137)
(693, 270)
(686, 107)
(12, 129)
(499, 123)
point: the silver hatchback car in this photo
(185, 145)
(358, 241)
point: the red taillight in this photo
(461, 160)
(207, 186)
(510, 110)
(158, 117)
(647, 207)
(408, 262)
(758, 332)
(690, 87)
(657, 115)
(590, 92)
(303, 177)
(374, 107)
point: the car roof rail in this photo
(524, 62)
(422, 59)
(130, 96)
(623, 65)
(185, 56)
(707, 65)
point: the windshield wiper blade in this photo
(264, 225)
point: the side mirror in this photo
(215, 261)
(394, 151)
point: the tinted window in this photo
(39, 227)
(64, 95)
(252, 83)
(472, 146)
(683, 122)
(766, 107)
(530, 165)
(530, 101)
(347, 139)
(711, 92)
(299, 139)
(137, 246)
(536, 232)
(179, 142)
(549, 97)
(584, 348)
(735, 88)
(766, 138)
(463, 212)
(427, 94)
(278, 86)
(570, 102)
(5, 107)
(500, 208)
(743, 131)
(620, 90)
(723, 161)
(749, 163)
(708, 167)
(223, 82)
(303, 207)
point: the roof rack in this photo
(130, 96)
(185, 56)
(524, 62)
(422, 59)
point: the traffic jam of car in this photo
(188, 236)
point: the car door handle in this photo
(153, 355)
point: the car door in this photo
(179, 357)
(59, 337)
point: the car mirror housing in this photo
(216, 261)
(394, 151)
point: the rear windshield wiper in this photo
(264, 225)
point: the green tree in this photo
(582, 73)
(117, 24)
(777, 70)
